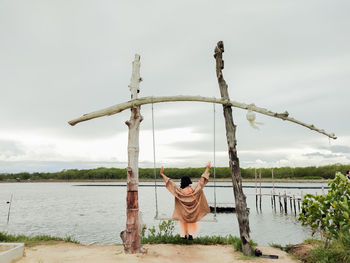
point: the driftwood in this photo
(131, 236)
(240, 198)
(148, 100)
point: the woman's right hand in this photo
(162, 171)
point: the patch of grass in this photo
(287, 248)
(176, 239)
(337, 251)
(313, 241)
(34, 240)
(164, 235)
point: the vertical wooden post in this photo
(295, 208)
(273, 182)
(240, 198)
(273, 190)
(279, 200)
(285, 203)
(131, 236)
(256, 191)
(260, 189)
(271, 199)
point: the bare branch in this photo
(148, 100)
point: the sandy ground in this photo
(68, 252)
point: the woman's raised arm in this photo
(162, 173)
(205, 176)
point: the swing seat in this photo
(166, 218)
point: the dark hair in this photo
(185, 181)
(348, 172)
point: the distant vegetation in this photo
(312, 172)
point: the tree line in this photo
(311, 172)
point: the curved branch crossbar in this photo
(148, 100)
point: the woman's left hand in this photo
(207, 168)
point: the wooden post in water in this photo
(8, 214)
(271, 199)
(295, 208)
(279, 200)
(131, 236)
(285, 202)
(273, 189)
(256, 190)
(240, 198)
(260, 189)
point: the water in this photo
(92, 214)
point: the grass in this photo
(337, 251)
(164, 235)
(34, 240)
(203, 240)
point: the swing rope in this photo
(214, 165)
(154, 166)
(155, 172)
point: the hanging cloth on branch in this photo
(251, 116)
(157, 216)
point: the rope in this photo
(154, 165)
(214, 164)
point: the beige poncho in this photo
(189, 209)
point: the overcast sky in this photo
(60, 59)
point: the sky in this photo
(60, 59)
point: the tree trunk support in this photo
(131, 236)
(240, 198)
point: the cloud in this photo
(281, 56)
(339, 149)
(10, 148)
(318, 154)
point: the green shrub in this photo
(328, 214)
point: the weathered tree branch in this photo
(148, 100)
(240, 198)
(131, 236)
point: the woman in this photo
(190, 202)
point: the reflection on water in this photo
(97, 214)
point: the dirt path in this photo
(68, 252)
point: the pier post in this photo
(279, 200)
(295, 209)
(285, 203)
(260, 189)
(256, 190)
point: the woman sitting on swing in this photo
(190, 202)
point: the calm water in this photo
(97, 214)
